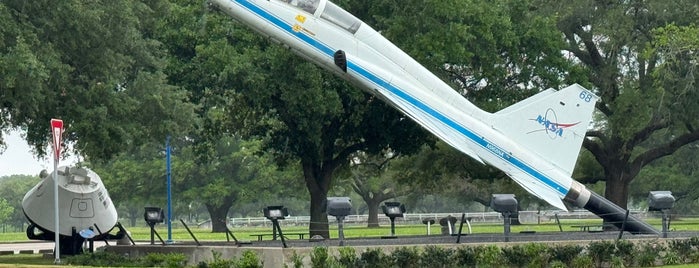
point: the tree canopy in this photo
(92, 64)
(640, 58)
(123, 75)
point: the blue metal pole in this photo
(169, 192)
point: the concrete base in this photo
(274, 255)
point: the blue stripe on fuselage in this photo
(405, 96)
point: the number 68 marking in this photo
(586, 96)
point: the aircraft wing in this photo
(411, 100)
(539, 190)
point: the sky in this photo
(19, 159)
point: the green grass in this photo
(357, 231)
(26, 260)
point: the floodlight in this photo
(339, 206)
(504, 203)
(393, 209)
(153, 215)
(507, 205)
(660, 200)
(275, 212)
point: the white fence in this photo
(530, 217)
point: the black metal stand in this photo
(558, 221)
(341, 229)
(393, 229)
(190, 232)
(154, 232)
(275, 224)
(623, 225)
(123, 231)
(104, 238)
(666, 222)
(506, 215)
(461, 226)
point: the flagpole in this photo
(56, 133)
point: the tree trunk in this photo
(218, 217)
(317, 177)
(617, 190)
(133, 216)
(373, 207)
(319, 219)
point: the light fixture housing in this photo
(276, 212)
(504, 203)
(153, 215)
(393, 209)
(338, 206)
(660, 200)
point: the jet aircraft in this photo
(536, 141)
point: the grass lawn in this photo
(26, 260)
(354, 231)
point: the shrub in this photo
(683, 248)
(694, 242)
(582, 261)
(648, 254)
(601, 251)
(466, 257)
(515, 255)
(319, 257)
(164, 260)
(532, 254)
(489, 256)
(625, 251)
(101, 259)
(297, 260)
(249, 260)
(374, 258)
(406, 257)
(434, 256)
(348, 257)
(218, 262)
(565, 253)
(558, 264)
(616, 262)
(671, 258)
(106, 259)
(537, 253)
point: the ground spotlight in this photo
(392, 211)
(662, 201)
(274, 214)
(507, 205)
(153, 216)
(339, 207)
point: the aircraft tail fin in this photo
(551, 123)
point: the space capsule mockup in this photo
(83, 202)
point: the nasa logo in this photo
(549, 122)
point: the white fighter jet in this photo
(536, 142)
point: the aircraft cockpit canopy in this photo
(331, 13)
(340, 17)
(309, 6)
